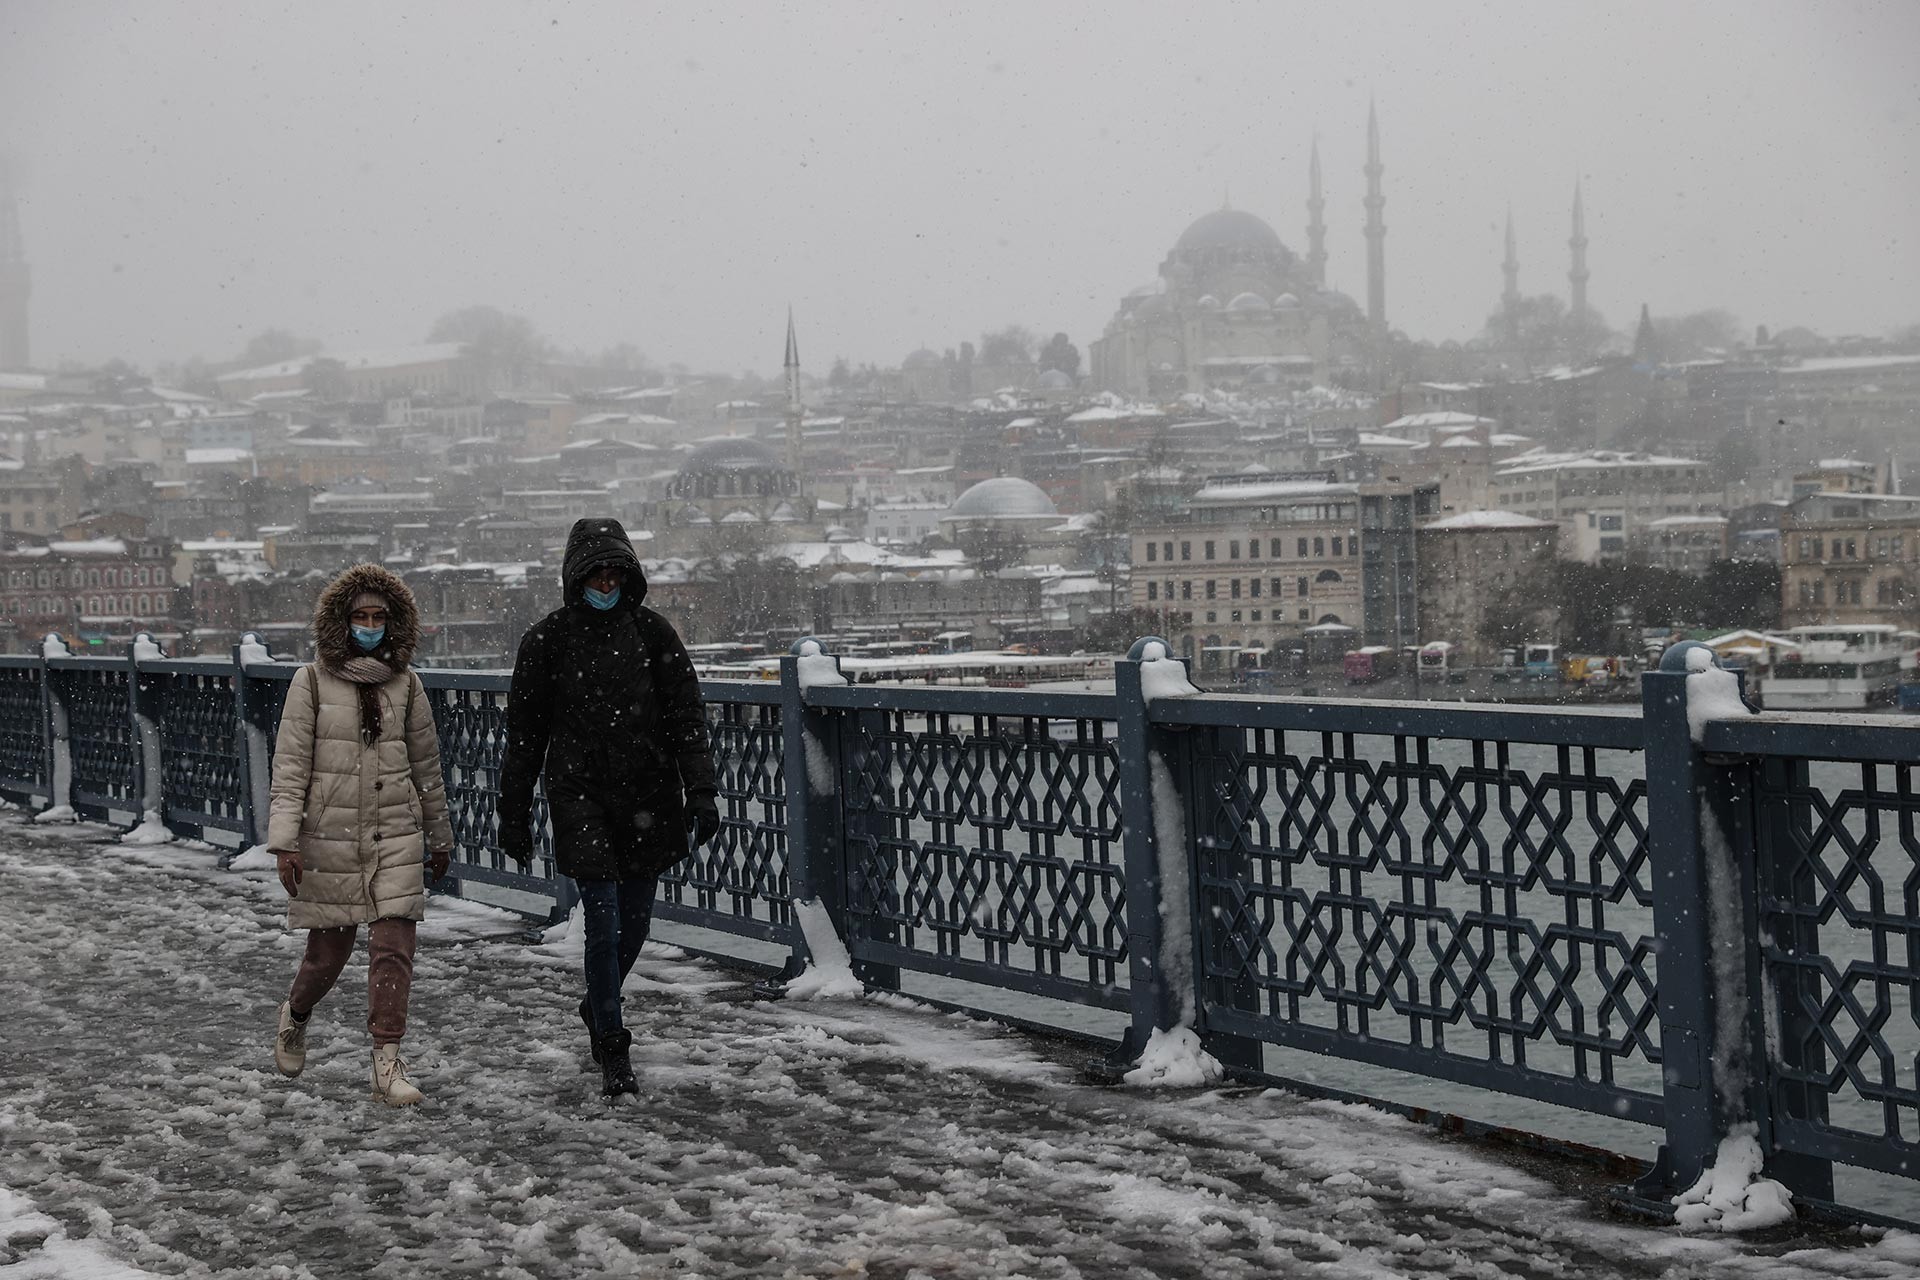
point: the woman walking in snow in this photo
(357, 799)
(606, 703)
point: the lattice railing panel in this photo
(1484, 900)
(472, 724)
(24, 762)
(200, 749)
(989, 839)
(743, 872)
(1839, 897)
(100, 726)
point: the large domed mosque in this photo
(1234, 309)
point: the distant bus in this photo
(1436, 657)
(1369, 663)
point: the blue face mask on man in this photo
(368, 637)
(603, 600)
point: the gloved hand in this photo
(437, 862)
(290, 871)
(516, 842)
(703, 817)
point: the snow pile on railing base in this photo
(255, 858)
(1173, 1059)
(829, 972)
(1732, 1196)
(152, 830)
(57, 813)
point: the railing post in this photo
(816, 844)
(1163, 994)
(143, 707)
(1681, 924)
(256, 764)
(1702, 845)
(59, 740)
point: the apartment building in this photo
(1250, 565)
(1850, 558)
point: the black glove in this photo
(516, 841)
(703, 817)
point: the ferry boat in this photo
(1834, 668)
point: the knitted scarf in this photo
(369, 673)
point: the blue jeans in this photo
(618, 913)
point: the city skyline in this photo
(161, 224)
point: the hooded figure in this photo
(358, 801)
(605, 703)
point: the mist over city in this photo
(990, 640)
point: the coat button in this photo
(378, 785)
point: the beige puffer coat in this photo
(361, 816)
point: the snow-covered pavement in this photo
(144, 1131)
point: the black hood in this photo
(596, 543)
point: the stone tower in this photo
(1376, 230)
(1316, 221)
(15, 283)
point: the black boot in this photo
(593, 1042)
(616, 1073)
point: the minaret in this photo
(1510, 294)
(1578, 275)
(1376, 229)
(15, 282)
(1316, 221)
(795, 416)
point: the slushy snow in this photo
(1732, 1196)
(779, 1138)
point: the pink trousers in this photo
(389, 973)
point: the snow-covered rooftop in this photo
(1487, 520)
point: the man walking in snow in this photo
(606, 703)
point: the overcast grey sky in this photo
(192, 173)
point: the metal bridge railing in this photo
(1580, 906)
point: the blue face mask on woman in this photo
(368, 637)
(603, 600)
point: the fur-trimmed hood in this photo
(333, 630)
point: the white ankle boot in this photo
(390, 1083)
(290, 1043)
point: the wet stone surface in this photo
(143, 1126)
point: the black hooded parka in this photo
(606, 702)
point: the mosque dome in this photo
(1055, 380)
(730, 453)
(1002, 498)
(1228, 229)
(924, 358)
(1208, 302)
(1286, 302)
(1248, 302)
